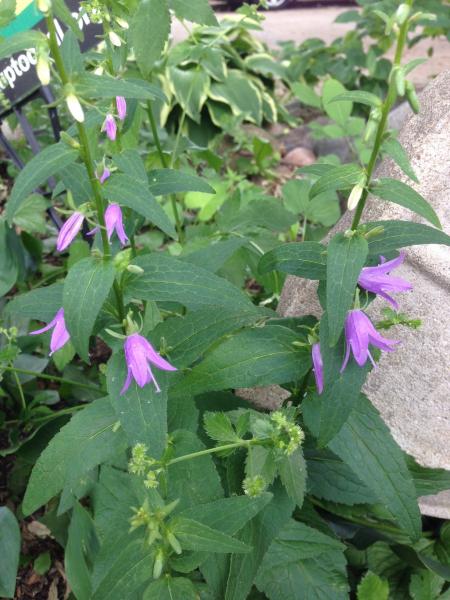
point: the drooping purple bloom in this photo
(318, 366)
(114, 222)
(377, 279)
(60, 335)
(69, 231)
(139, 355)
(104, 176)
(359, 333)
(121, 104)
(109, 125)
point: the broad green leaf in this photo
(30, 216)
(48, 162)
(393, 148)
(342, 177)
(306, 94)
(20, 41)
(7, 12)
(346, 257)
(256, 357)
(166, 279)
(302, 558)
(86, 287)
(304, 259)
(131, 569)
(358, 96)
(187, 338)
(41, 304)
(400, 193)
(426, 480)
(196, 536)
(365, 444)
(104, 86)
(76, 179)
(86, 441)
(258, 533)
(372, 587)
(264, 212)
(326, 413)
(171, 588)
(338, 111)
(149, 32)
(240, 94)
(9, 265)
(190, 87)
(130, 162)
(71, 53)
(142, 412)
(292, 471)
(81, 547)
(9, 552)
(62, 12)
(170, 181)
(198, 11)
(135, 194)
(398, 234)
(331, 479)
(266, 64)
(215, 255)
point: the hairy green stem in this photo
(38, 375)
(388, 104)
(19, 387)
(240, 444)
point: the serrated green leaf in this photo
(167, 279)
(86, 441)
(48, 162)
(171, 588)
(393, 148)
(365, 444)
(142, 412)
(196, 536)
(346, 257)
(292, 470)
(198, 11)
(82, 544)
(342, 177)
(104, 86)
(398, 234)
(135, 194)
(41, 304)
(20, 41)
(261, 356)
(86, 287)
(302, 558)
(149, 31)
(400, 193)
(372, 587)
(304, 259)
(170, 181)
(427, 480)
(9, 551)
(219, 428)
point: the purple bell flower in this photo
(114, 222)
(121, 105)
(318, 366)
(109, 125)
(104, 176)
(139, 355)
(377, 279)
(359, 333)
(69, 230)
(60, 335)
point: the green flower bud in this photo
(70, 141)
(135, 270)
(400, 81)
(412, 97)
(254, 486)
(403, 12)
(174, 543)
(158, 564)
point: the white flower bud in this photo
(43, 68)
(403, 12)
(75, 108)
(355, 196)
(122, 23)
(114, 39)
(44, 6)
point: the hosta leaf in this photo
(190, 87)
(86, 288)
(260, 356)
(346, 257)
(9, 551)
(86, 441)
(398, 234)
(240, 94)
(135, 194)
(47, 163)
(304, 259)
(398, 192)
(149, 31)
(365, 444)
(302, 558)
(167, 279)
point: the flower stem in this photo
(19, 387)
(240, 444)
(388, 104)
(16, 370)
(165, 164)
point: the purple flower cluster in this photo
(359, 330)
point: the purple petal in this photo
(114, 221)
(156, 358)
(127, 383)
(69, 231)
(93, 231)
(60, 336)
(104, 176)
(110, 127)
(318, 366)
(121, 104)
(357, 335)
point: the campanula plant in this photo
(156, 476)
